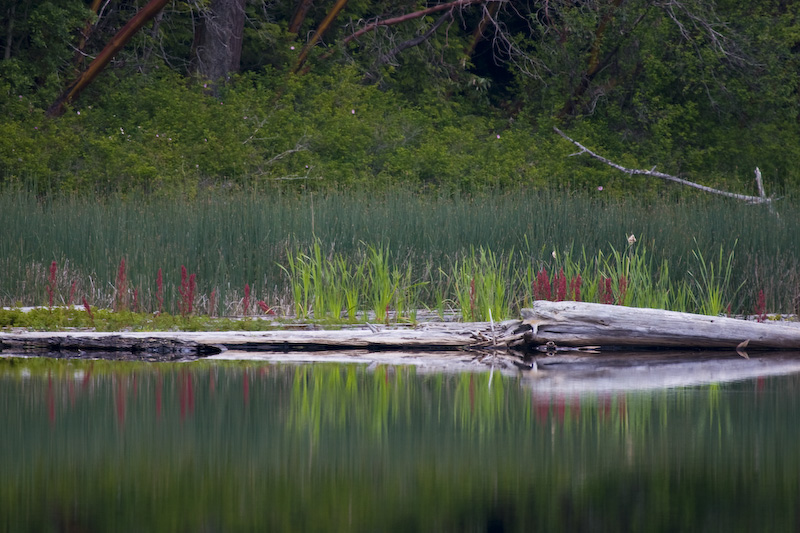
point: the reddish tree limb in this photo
(410, 16)
(103, 58)
(415, 15)
(323, 27)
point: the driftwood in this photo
(549, 327)
(583, 324)
(428, 337)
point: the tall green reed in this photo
(230, 239)
(713, 283)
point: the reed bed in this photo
(338, 254)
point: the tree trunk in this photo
(300, 15)
(218, 42)
(9, 32)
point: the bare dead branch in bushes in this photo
(761, 199)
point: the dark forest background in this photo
(175, 97)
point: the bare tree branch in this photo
(506, 49)
(416, 14)
(385, 58)
(761, 199)
(705, 23)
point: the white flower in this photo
(554, 255)
(631, 239)
(353, 111)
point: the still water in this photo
(226, 446)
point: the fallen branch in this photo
(590, 324)
(761, 199)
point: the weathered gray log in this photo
(583, 324)
(423, 337)
(93, 341)
(559, 324)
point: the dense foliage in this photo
(704, 90)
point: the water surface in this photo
(225, 446)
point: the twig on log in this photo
(761, 199)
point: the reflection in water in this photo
(225, 446)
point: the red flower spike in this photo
(541, 286)
(761, 307)
(605, 291)
(88, 309)
(623, 289)
(561, 286)
(160, 291)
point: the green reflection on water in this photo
(227, 446)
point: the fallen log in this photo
(547, 327)
(584, 324)
(428, 337)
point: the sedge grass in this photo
(235, 239)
